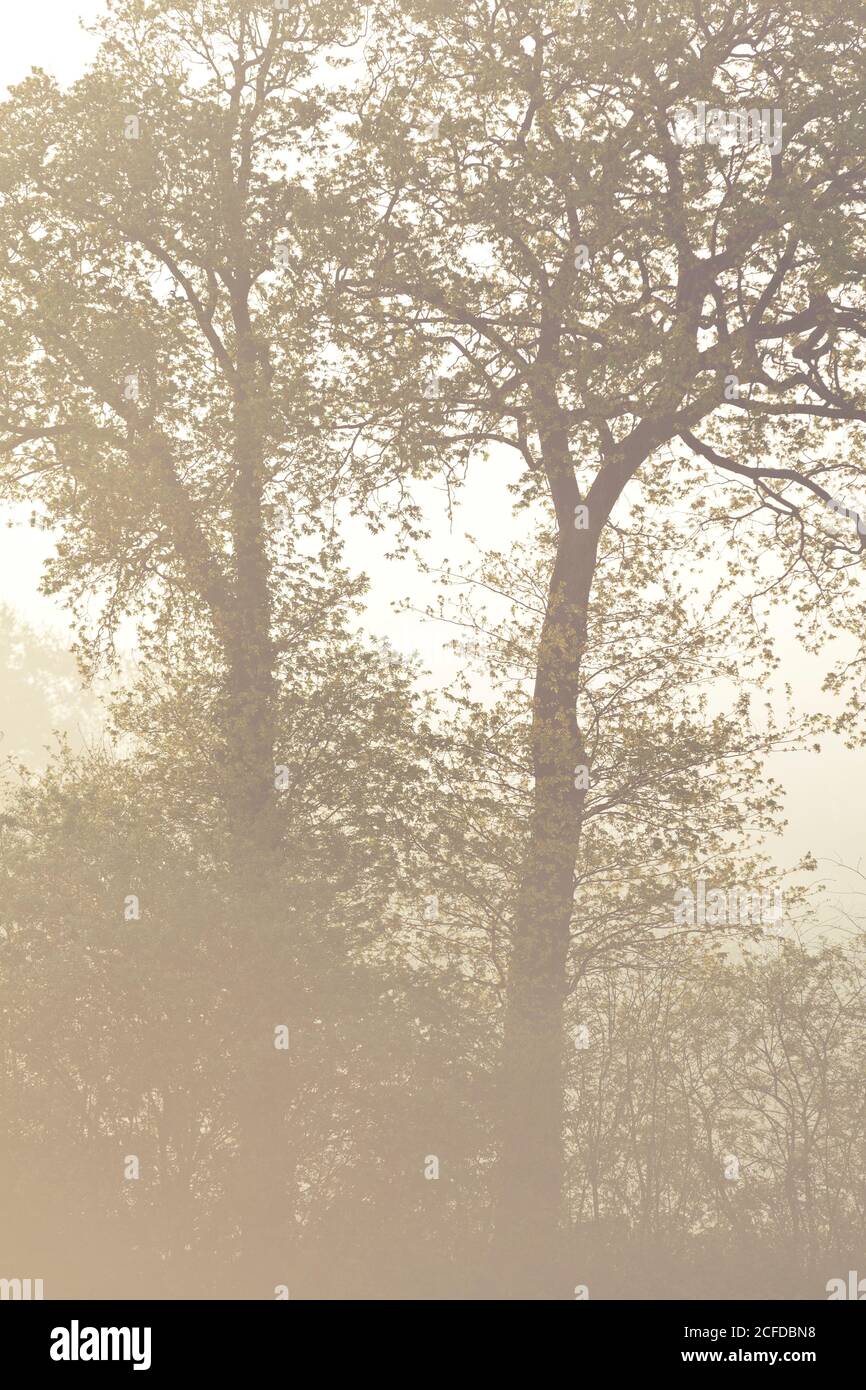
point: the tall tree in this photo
(579, 244)
(163, 357)
(163, 361)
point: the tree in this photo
(550, 252)
(42, 691)
(162, 349)
(164, 360)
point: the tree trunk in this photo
(250, 697)
(249, 734)
(260, 1072)
(529, 1189)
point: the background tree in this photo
(42, 692)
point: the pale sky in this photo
(826, 792)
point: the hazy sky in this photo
(826, 792)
